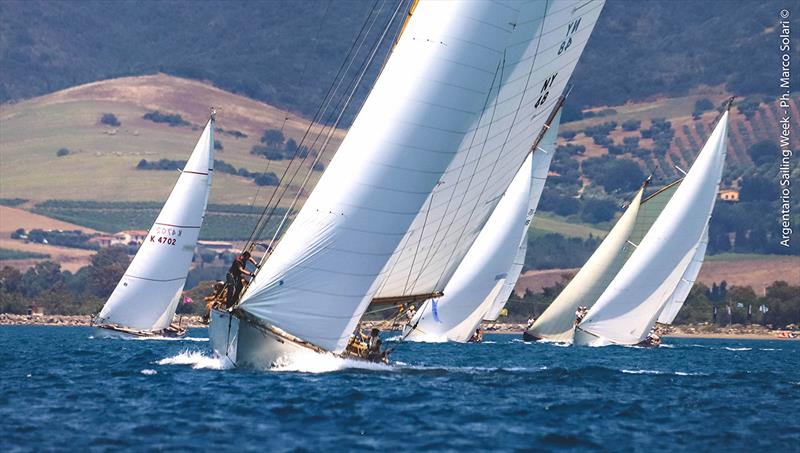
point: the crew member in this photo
(477, 337)
(235, 276)
(216, 295)
(374, 353)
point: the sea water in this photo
(62, 388)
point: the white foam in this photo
(198, 361)
(312, 362)
(737, 349)
(148, 372)
(197, 339)
(642, 372)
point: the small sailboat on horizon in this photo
(144, 301)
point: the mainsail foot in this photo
(584, 338)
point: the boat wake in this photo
(676, 373)
(313, 362)
(198, 361)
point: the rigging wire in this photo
(261, 224)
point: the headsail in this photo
(147, 295)
(544, 45)
(678, 297)
(542, 158)
(628, 309)
(483, 269)
(482, 274)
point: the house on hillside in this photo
(729, 195)
(103, 240)
(131, 237)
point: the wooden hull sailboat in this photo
(466, 90)
(144, 301)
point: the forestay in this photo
(678, 297)
(428, 101)
(628, 309)
(148, 293)
(543, 45)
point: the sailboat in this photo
(482, 275)
(146, 297)
(557, 323)
(628, 309)
(449, 121)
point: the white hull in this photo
(246, 345)
(105, 332)
(584, 338)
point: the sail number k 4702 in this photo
(162, 240)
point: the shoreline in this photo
(687, 331)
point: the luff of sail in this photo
(148, 293)
(542, 158)
(557, 321)
(628, 309)
(427, 101)
(678, 297)
(547, 40)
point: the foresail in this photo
(428, 101)
(542, 158)
(144, 297)
(629, 307)
(483, 269)
(678, 297)
(557, 321)
(546, 41)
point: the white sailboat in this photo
(628, 309)
(557, 323)
(146, 297)
(457, 104)
(482, 275)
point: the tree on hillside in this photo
(764, 152)
(272, 138)
(109, 119)
(758, 188)
(106, 269)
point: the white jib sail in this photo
(627, 310)
(147, 295)
(482, 270)
(428, 101)
(675, 302)
(544, 46)
(542, 158)
(557, 321)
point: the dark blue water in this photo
(62, 389)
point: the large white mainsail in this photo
(628, 309)
(546, 43)
(557, 321)
(434, 97)
(542, 158)
(678, 297)
(485, 269)
(147, 295)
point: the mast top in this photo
(729, 103)
(213, 113)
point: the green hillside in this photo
(286, 52)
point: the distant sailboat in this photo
(446, 126)
(557, 323)
(628, 309)
(147, 295)
(483, 273)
